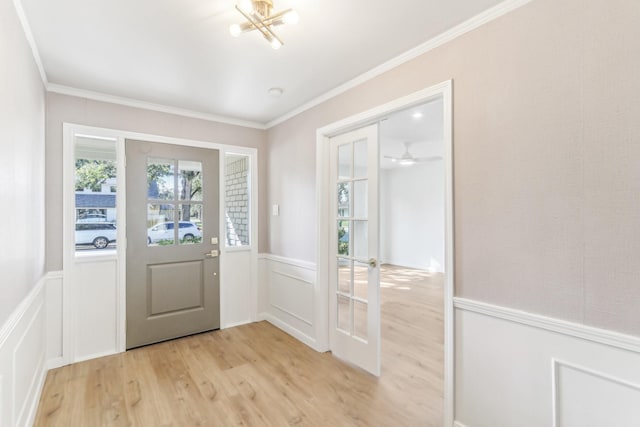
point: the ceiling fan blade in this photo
(428, 159)
(391, 157)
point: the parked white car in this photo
(187, 231)
(96, 234)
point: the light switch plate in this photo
(214, 240)
(275, 210)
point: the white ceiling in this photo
(179, 53)
(424, 133)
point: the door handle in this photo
(213, 254)
(373, 263)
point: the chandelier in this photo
(259, 16)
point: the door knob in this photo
(373, 263)
(213, 254)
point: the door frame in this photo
(69, 320)
(321, 293)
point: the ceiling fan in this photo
(407, 159)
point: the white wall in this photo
(22, 297)
(21, 164)
(412, 216)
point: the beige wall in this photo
(69, 109)
(546, 156)
(21, 165)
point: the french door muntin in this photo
(354, 283)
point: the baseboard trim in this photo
(95, 356)
(290, 261)
(576, 330)
(16, 317)
(300, 336)
(458, 424)
(234, 324)
(55, 363)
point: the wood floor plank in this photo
(256, 375)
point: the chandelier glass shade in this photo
(259, 16)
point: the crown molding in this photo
(449, 35)
(129, 102)
(26, 28)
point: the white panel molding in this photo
(289, 261)
(18, 314)
(27, 411)
(290, 313)
(293, 276)
(32, 42)
(297, 334)
(23, 356)
(135, 103)
(556, 364)
(449, 35)
(576, 330)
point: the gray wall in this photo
(546, 155)
(63, 108)
(21, 165)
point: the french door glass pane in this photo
(360, 151)
(360, 280)
(160, 179)
(190, 224)
(360, 238)
(360, 199)
(344, 196)
(360, 312)
(343, 237)
(160, 223)
(344, 315)
(344, 276)
(189, 180)
(345, 160)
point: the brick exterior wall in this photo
(237, 201)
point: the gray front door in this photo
(172, 241)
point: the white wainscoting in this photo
(53, 297)
(286, 296)
(23, 359)
(518, 369)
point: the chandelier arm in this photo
(255, 23)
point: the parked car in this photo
(187, 231)
(97, 234)
(93, 218)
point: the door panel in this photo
(354, 294)
(172, 219)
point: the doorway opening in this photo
(438, 96)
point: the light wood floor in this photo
(256, 375)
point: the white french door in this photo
(354, 279)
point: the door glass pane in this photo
(360, 239)
(344, 316)
(360, 280)
(344, 189)
(189, 180)
(344, 276)
(190, 224)
(160, 223)
(360, 199)
(343, 237)
(237, 197)
(360, 311)
(160, 179)
(345, 157)
(360, 151)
